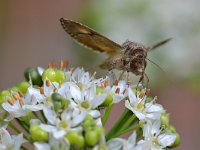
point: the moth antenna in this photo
(156, 64)
(159, 44)
(165, 73)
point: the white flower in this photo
(123, 144)
(83, 78)
(143, 110)
(8, 142)
(53, 144)
(59, 126)
(86, 102)
(155, 138)
(18, 106)
(118, 91)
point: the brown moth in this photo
(130, 56)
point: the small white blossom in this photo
(8, 142)
(59, 126)
(123, 144)
(21, 105)
(143, 110)
(155, 138)
(86, 102)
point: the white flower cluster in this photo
(70, 117)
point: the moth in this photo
(130, 56)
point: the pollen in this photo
(15, 96)
(48, 83)
(116, 82)
(147, 92)
(142, 94)
(10, 101)
(42, 90)
(124, 91)
(21, 102)
(106, 83)
(21, 94)
(64, 64)
(117, 90)
(53, 64)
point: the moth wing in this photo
(90, 38)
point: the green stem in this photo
(43, 116)
(23, 148)
(107, 114)
(125, 115)
(23, 125)
(36, 115)
(11, 125)
(127, 130)
(128, 123)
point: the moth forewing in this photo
(89, 38)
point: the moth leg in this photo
(111, 75)
(140, 80)
(128, 79)
(120, 77)
(147, 78)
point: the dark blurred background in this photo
(31, 35)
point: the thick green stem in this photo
(23, 125)
(128, 123)
(36, 115)
(107, 114)
(127, 130)
(43, 116)
(123, 118)
(11, 125)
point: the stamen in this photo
(42, 90)
(116, 82)
(141, 95)
(124, 91)
(64, 64)
(10, 101)
(106, 83)
(147, 92)
(15, 96)
(53, 64)
(117, 90)
(21, 94)
(21, 102)
(48, 83)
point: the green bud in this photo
(100, 130)
(88, 123)
(60, 76)
(23, 86)
(38, 134)
(57, 97)
(34, 75)
(164, 120)
(148, 99)
(3, 95)
(65, 103)
(14, 88)
(75, 139)
(57, 105)
(177, 141)
(172, 129)
(50, 74)
(108, 101)
(91, 137)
